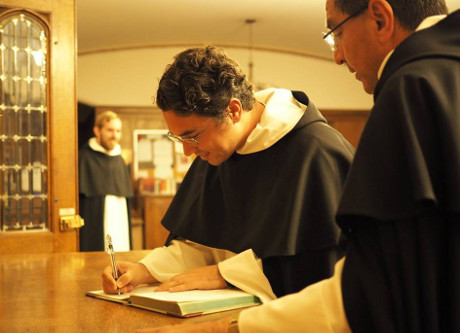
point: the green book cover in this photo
(182, 304)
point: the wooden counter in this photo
(46, 293)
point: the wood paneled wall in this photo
(348, 122)
(134, 118)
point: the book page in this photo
(101, 294)
(193, 295)
(122, 297)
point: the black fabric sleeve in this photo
(398, 274)
(290, 274)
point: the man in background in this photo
(401, 203)
(105, 187)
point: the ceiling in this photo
(284, 25)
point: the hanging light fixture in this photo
(250, 23)
(257, 85)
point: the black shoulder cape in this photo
(401, 202)
(99, 175)
(278, 202)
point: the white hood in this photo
(94, 145)
(282, 112)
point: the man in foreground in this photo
(256, 208)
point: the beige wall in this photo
(130, 77)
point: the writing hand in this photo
(207, 277)
(130, 275)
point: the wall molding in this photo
(193, 44)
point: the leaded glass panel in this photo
(23, 123)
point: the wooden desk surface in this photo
(46, 293)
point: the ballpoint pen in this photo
(111, 253)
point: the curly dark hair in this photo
(409, 13)
(202, 81)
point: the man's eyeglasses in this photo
(329, 37)
(190, 141)
(193, 141)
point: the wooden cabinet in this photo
(155, 207)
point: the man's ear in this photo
(97, 131)
(235, 109)
(381, 13)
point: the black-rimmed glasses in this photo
(329, 37)
(193, 141)
(190, 141)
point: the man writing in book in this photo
(401, 204)
(256, 209)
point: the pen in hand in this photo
(111, 253)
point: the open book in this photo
(182, 304)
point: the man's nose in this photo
(188, 148)
(338, 56)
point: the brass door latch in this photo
(70, 222)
